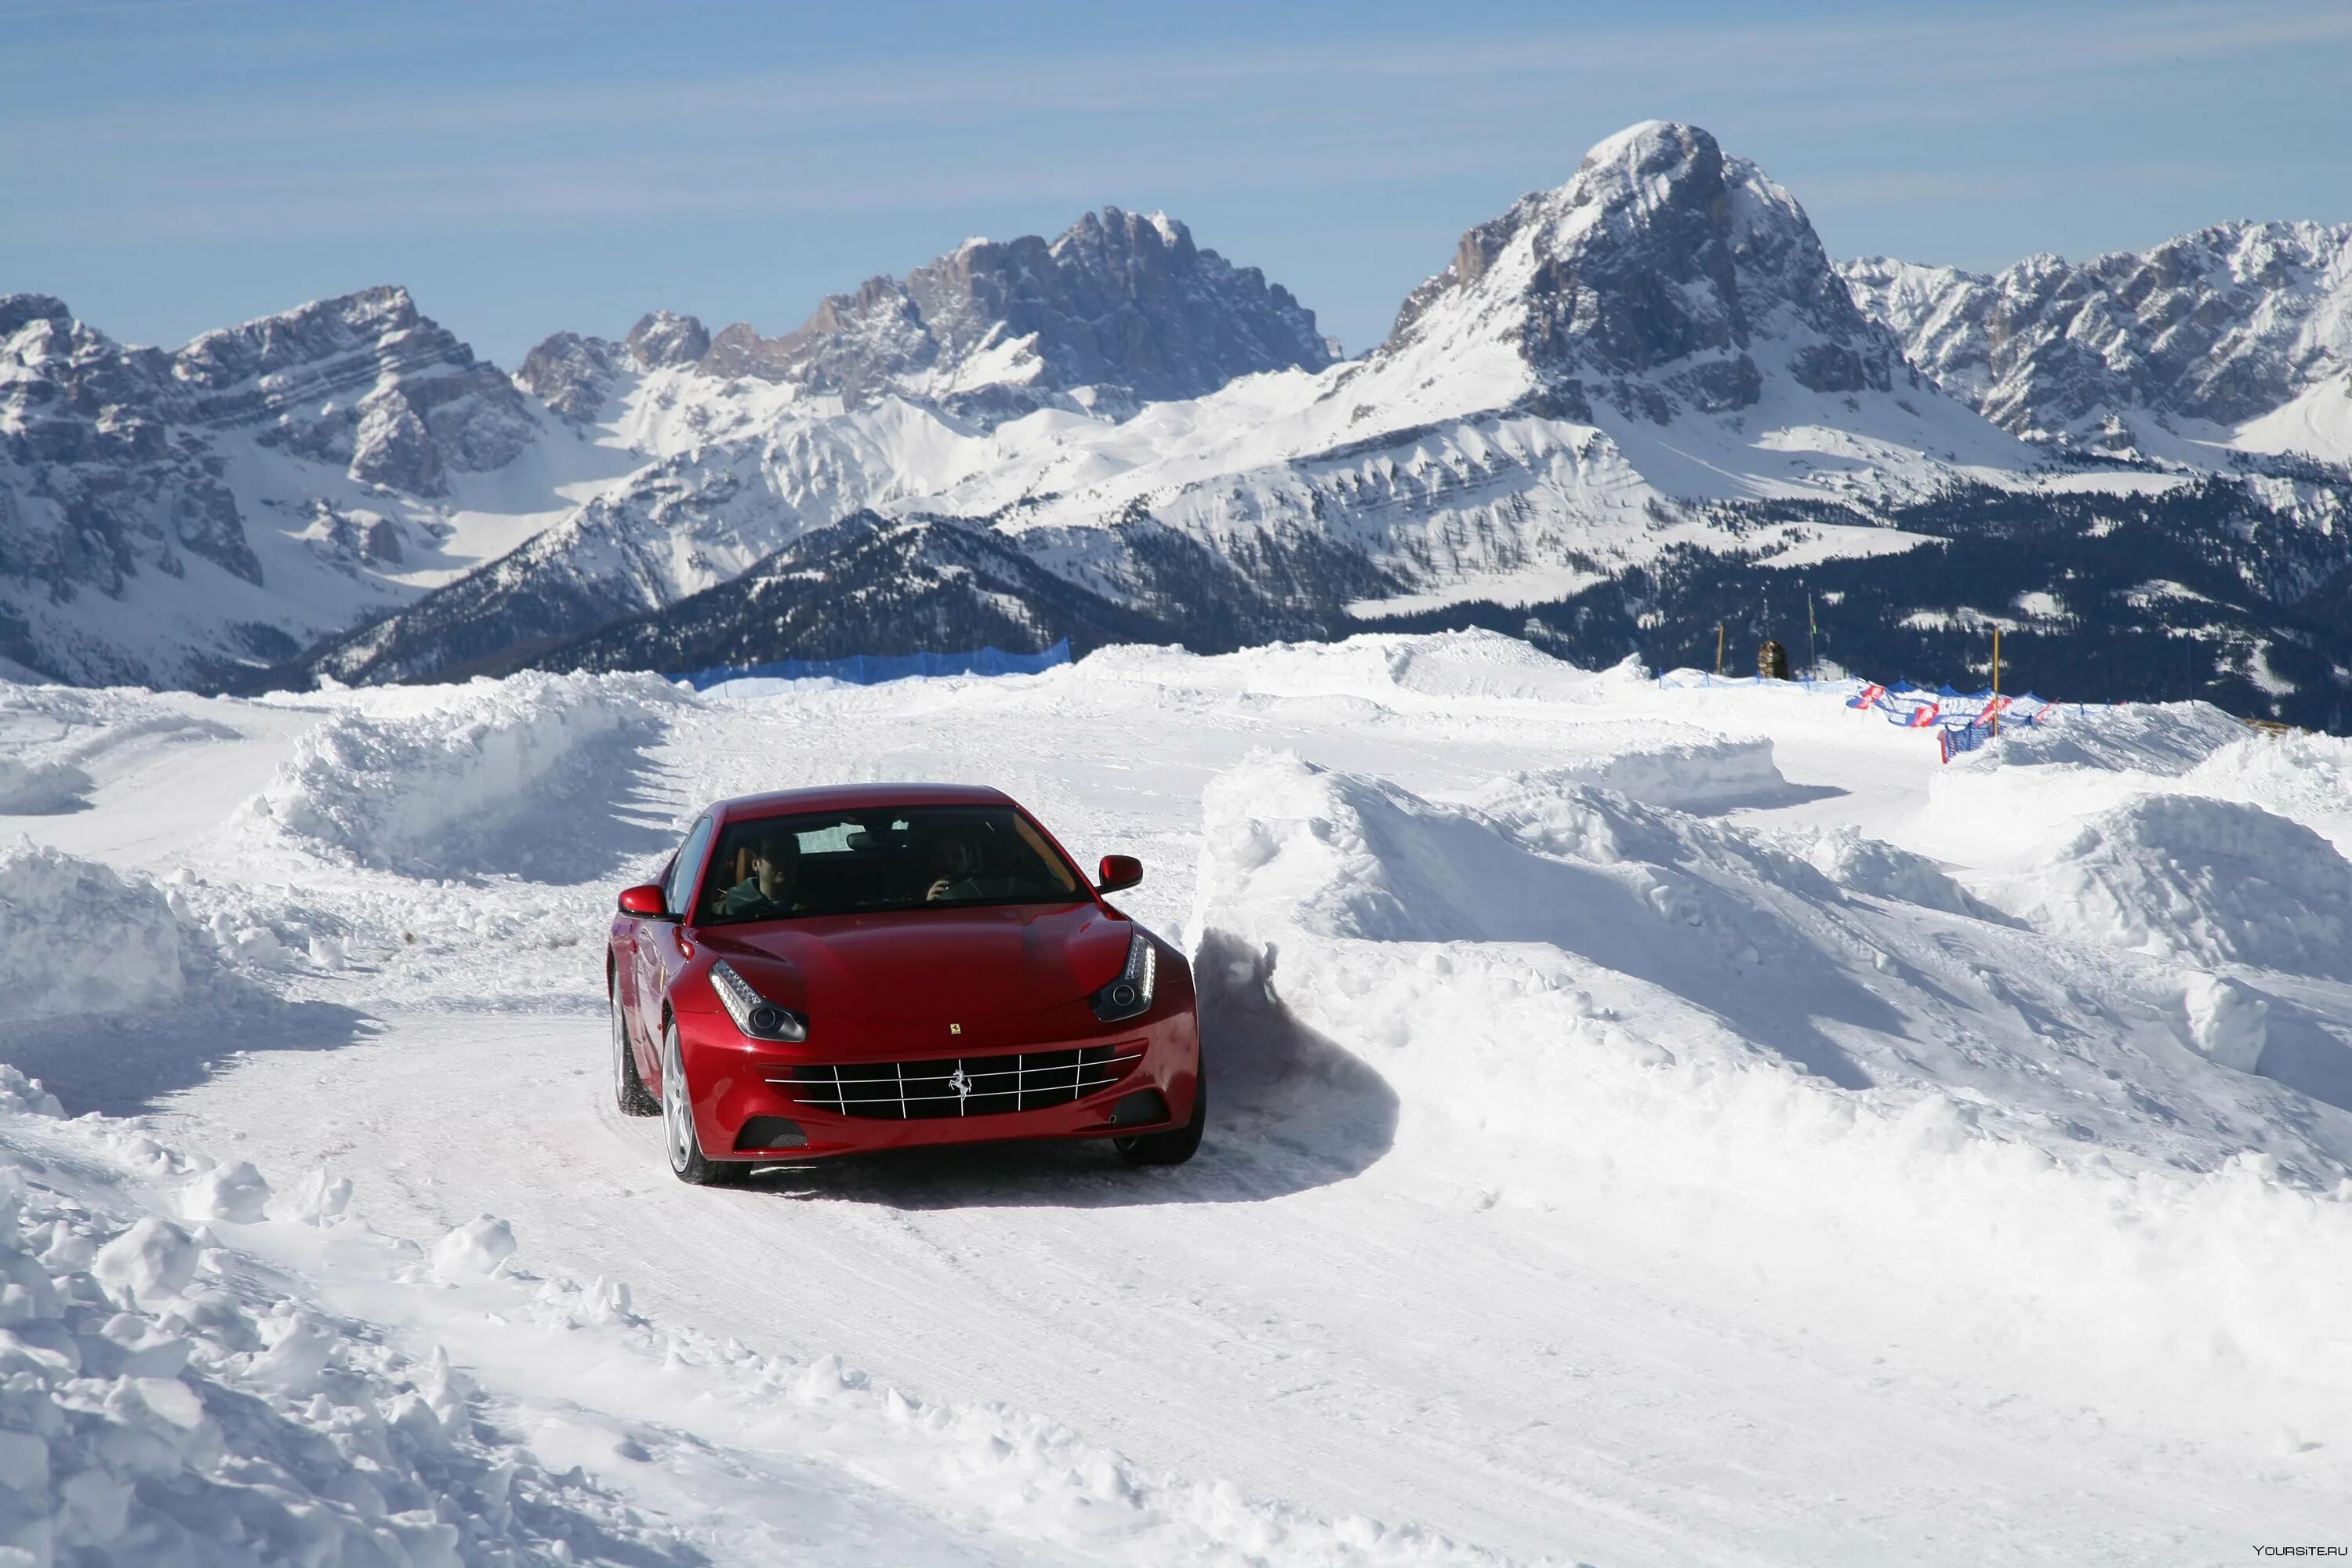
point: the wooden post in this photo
(1996, 681)
(1719, 649)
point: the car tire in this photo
(629, 1090)
(1178, 1145)
(687, 1161)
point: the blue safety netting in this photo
(869, 669)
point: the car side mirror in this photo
(1118, 871)
(645, 902)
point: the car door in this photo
(628, 936)
(657, 941)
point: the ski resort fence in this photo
(1961, 720)
(872, 670)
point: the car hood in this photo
(930, 966)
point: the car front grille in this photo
(962, 1086)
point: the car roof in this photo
(857, 797)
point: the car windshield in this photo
(890, 858)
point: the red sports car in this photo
(874, 967)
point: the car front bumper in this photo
(745, 1089)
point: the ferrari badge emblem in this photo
(955, 1028)
(961, 1083)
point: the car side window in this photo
(679, 886)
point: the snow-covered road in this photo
(1792, 1151)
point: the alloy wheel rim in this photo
(620, 1044)
(676, 1115)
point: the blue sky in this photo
(528, 167)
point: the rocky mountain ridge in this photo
(2202, 335)
(1121, 307)
(127, 474)
(340, 434)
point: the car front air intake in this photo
(962, 1086)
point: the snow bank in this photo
(40, 786)
(113, 989)
(1619, 1003)
(2186, 876)
(77, 939)
(2305, 777)
(2164, 738)
(1377, 665)
(164, 1401)
(496, 775)
(1675, 765)
(1875, 866)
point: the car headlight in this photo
(1131, 994)
(754, 1013)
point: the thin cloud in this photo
(1889, 60)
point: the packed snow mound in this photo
(1480, 664)
(1420, 905)
(1882, 870)
(2228, 1023)
(113, 986)
(1608, 997)
(498, 775)
(2162, 738)
(1506, 963)
(168, 1404)
(77, 939)
(2306, 777)
(2189, 877)
(24, 1096)
(1378, 665)
(41, 786)
(1679, 766)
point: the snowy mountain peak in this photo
(2240, 333)
(363, 381)
(575, 375)
(1664, 274)
(1123, 304)
(20, 310)
(664, 338)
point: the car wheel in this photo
(1178, 1145)
(628, 1087)
(687, 1161)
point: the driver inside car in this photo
(954, 863)
(767, 892)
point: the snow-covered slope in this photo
(1653, 1124)
(2237, 336)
